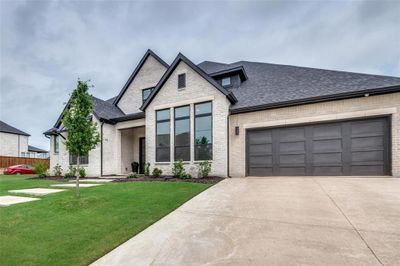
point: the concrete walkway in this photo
(275, 221)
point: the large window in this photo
(182, 133)
(203, 131)
(146, 93)
(163, 136)
(73, 159)
(56, 144)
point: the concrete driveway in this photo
(276, 221)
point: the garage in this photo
(355, 147)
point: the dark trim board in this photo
(344, 150)
(325, 98)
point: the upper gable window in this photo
(181, 81)
(146, 93)
(226, 82)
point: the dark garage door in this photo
(358, 147)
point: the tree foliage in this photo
(83, 135)
(82, 132)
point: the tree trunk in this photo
(78, 193)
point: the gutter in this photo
(339, 96)
(101, 148)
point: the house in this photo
(14, 143)
(247, 118)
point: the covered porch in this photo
(133, 150)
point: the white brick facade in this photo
(388, 104)
(197, 90)
(148, 76)
(13, 144)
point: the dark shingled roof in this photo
(273, 83)
(106, 109)
(6, 128)
(34, 149)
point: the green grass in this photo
(62, 230)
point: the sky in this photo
(45, 46)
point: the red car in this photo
(20, 169)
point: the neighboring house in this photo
(246, 118)
(14, 143)
(34, 152)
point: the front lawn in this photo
(61, 230)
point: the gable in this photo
(196, 89)
(190, 67)
(147, 75)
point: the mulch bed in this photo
(204, 180)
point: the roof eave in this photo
(325, 98)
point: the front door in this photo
(142, 154)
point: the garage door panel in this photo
(292, 171)
(328, 131)
(367, 156)
(292, 159)
(292, 146)
(327, 145)
(291, 134)
(260, 171)
(367, 170)
(367, 128)
(260, 148)
(260, 160)
(319, 158)
(367, 142)
(260, 137)
(340, 148)
(327, 170)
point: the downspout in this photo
(101, 149)
(19, 147)
(228, 161)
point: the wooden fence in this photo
(6, 161)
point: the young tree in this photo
(83, 135)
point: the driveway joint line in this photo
(268, 220)
(355, 229)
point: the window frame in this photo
(184, 81)
(151, 90)
(84, 160)
(230, 81)
(178, 119)
(212, 131)
(56, 144)
(169, 131)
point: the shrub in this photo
(40, 169)
(157, 172)
(71, 172)
(178, 170)
(82, 172)
(204, 168)
(147, 169)
(57, 170)
(132, 175)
